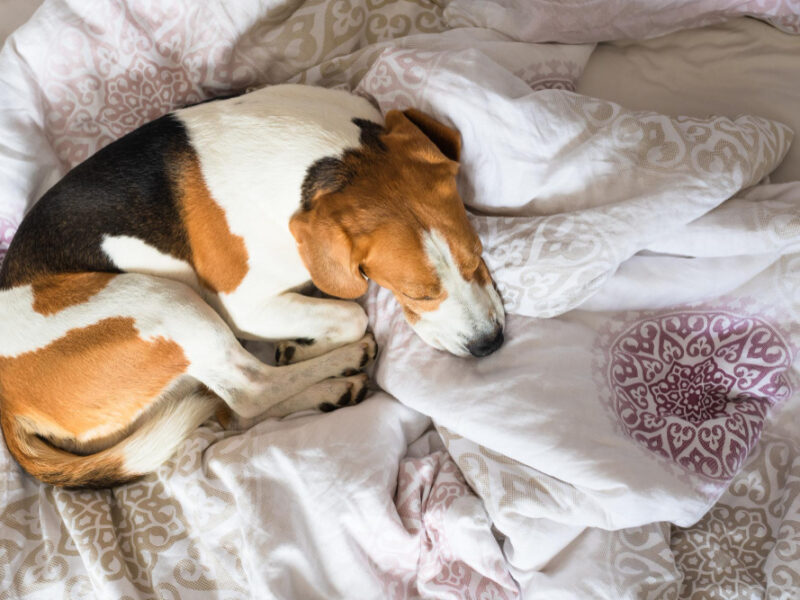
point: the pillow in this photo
(722, 69)
(579, 21)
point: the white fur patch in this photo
(172, 420)
(468, 313)
(254, 151)
(188, 321)
(136, 256)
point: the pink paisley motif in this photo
(554, 74)
(398, 77)
(695, 394)
(412, 68)
(427, 487)
(110, 69)
(7, 230)
(142, 94)
(695, 387)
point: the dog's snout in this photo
(487, 344)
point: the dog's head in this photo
(390, 211)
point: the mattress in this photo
(635, 437)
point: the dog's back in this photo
(111, 352)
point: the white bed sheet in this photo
(356, 504)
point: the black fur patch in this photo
(332, 174)
(329, 174)
(304, 341)
(125, 188)
(371, 133)
(346, 399)
(361, 395)
(288, 353)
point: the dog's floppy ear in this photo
(447, 139)
(327, 252)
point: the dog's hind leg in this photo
(327, 395)
(92, 362)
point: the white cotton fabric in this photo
(602, 225)
(742, 66)
(534, 409)
(575, 21)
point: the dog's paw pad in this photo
(354, 393)
(291, 351)
(345, 399)
(357, 391)
(284, 353)
(362, 393)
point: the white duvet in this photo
(639, 420)
(640, 396)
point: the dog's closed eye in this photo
(420, 298)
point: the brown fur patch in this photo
(54, 293)
(90, 383)
(57, 467)
(446, 139)
(481, 275)
(219, 256)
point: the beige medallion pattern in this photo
(290, 508)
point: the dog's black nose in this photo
(486, 345)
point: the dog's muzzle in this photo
(486, 345)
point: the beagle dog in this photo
(127, 285)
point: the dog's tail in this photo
(140, 452)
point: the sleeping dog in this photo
(127, 285)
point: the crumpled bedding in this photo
(631, 389)
(636, 436)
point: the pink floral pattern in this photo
(427, 489)
(399, 76)
(695, 387)
(551, 75)
(7, 230)
(581, 21)
(693, 393)
(124, 65)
